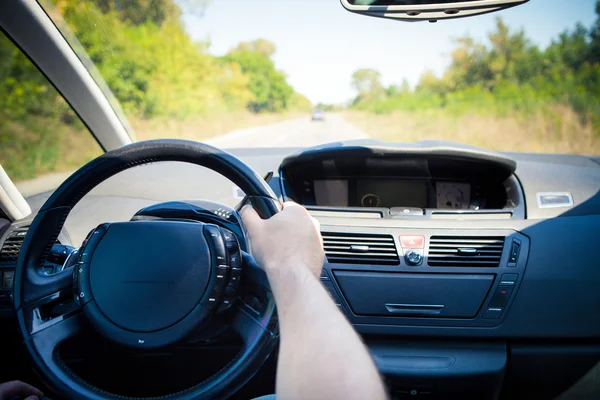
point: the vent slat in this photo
(453, 263)
(381, 249)
(455, 251)
(456, 245)
(365, 243)
(352, 254)
(467, 259)
(444, 251)
(359, 238)
(467, 239)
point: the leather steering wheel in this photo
(126, 288)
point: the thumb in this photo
(251, 220)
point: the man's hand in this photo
(289, 239)
(19, 389)
(320, 355)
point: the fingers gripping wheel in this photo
(145, 283)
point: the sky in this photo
(320, 44)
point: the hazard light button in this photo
(412, 241)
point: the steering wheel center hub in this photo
(135, 280)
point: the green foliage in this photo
(138, 12)
(508, 75)
(155, 69)
(25, 92)
(35, 122)
(299, 102)
(269, 87)
(367, 83)
(150, 64)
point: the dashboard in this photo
(489, 259)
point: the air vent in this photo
(465, 251)
(12, 245)
(356, 248)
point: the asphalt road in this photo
(299, 132)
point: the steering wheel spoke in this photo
(256, 313)
(48, 335)
(255, 316)
(49, 311)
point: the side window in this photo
(41, 139)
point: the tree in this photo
(269, 87)
(510, 73)
(429, 83)
(261, 46)
(138, 12)
(595, 37)
(367, 82)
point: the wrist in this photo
(288, 281)
(279, 271)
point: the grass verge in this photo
(555, 130)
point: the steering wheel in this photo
(147, 283)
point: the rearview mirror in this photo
(426, 10)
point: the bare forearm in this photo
(321, 356)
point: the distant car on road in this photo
(318, 115)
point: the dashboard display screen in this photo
(391, 193)
(332, 193)
(371, 193)
(453, 195)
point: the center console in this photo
(424, 278)
(418, 243)
(389, 274)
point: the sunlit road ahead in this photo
(300, 132)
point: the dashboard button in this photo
(222, 273)
(85, 257)
(235, 259)
(83, 294)
(509, 279)
(230, 240)
(501, 296)
(399, 211)
(493, 313)
(413, 257)
(236, 276)
(412, 241)
(218, 244)
(229, 295)
(515, 249)
(215, 294)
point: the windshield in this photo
(524, 79)
(297, 74)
